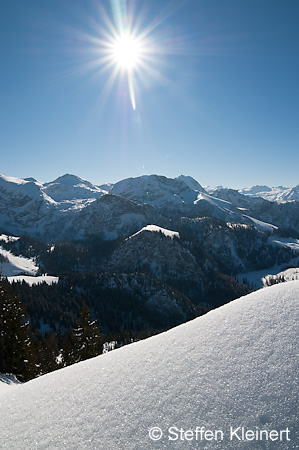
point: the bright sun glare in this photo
(127, 48)
(127, 52)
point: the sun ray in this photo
(127, 46)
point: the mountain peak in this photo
(68, 180)
(190, 182)
(71, 187)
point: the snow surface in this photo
(263, 226)
(288, 275)
(34, 280)
(7, 382)
(237, 366)
(256, 278)
(155, 228)
(16, 264)
(285, 242)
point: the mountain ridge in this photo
(183, 195)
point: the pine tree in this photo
(17, 353)
(86, 336)
(48, 353)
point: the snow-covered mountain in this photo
(278, 194)
(71, 187)
(72, 208)
(159, 191)
(222, 230)
(76, 210)
(227, 380)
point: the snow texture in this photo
(7, 382)
(237, 366)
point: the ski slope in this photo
(237, 366)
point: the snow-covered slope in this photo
(33, 280)
(159, 191)
(13, 265)
(71, 187)
(7, 382)
(286, 275)
(155, 228)
(234, 369)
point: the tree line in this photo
(27, 354)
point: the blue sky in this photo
(219, 99)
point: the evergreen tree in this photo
(17, 353)
(86, 336)
(48, 353)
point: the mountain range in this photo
(197, 244)
(73, 208)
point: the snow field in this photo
(237, 366)
(16, 264)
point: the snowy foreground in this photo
(227, 380)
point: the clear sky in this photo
(215, 87)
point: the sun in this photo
(129, 47)
(127, 52)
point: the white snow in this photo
(6, 238)
(288, 275)
(256, 278)
(70, 187)
(155, 228)
(7, 382)
(285, 242)
(279, 194)
(13, 180)
(16, 264)
(48, 279)
(263, 226)
(237, 366)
